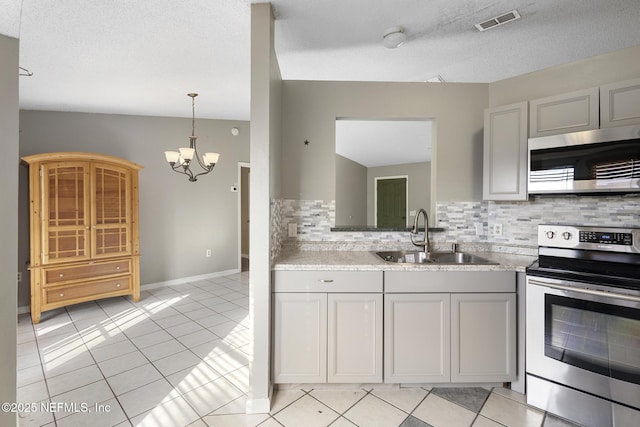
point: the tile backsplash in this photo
(518, 220)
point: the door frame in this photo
(375, 196)
(240, 190)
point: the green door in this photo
(392, 202)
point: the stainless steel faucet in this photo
(414, 231)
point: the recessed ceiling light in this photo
(393, 37)
(498, 20)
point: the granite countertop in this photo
(369, 261)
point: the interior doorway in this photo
(391, 201)
(243, 209)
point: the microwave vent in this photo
(498, 20)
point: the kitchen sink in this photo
(419, 257)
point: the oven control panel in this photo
(593, 238)
(609, 238)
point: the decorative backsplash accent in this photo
(314, 218)
(519, 220)
(278, 228)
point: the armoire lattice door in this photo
(84, 229)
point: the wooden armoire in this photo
(83, 229)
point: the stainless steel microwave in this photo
(594, 161)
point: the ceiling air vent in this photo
(498, 20)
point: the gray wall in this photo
(351, 192)
(9, 220)
(419, 183)
(179, 219)
(310, 109)
(611, 67)
(266, 117)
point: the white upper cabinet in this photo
(620, 104)
(505, 153)
(569, 112)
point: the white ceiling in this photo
(144, 56)
(384, 142)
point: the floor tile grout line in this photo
(104, 377)
(486, 399)
(420, 403)
(44, 378)
(129, 339)
(181, 394)
(304, 393)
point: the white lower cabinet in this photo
(417, 338)
(354, 346)
(332, 333)
(437, 332)
(483, 337)
(434, 332)
(300, 337)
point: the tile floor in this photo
(180, 357)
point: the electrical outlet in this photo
(496, 229)
(479, 229)
(293, 229)
(19, 276)
(208, 253)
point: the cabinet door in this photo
(354, 347)
(111, 220)
(569, 112)
(620, 104)
(483, 337)
(417, 338)
(65, 212)
(505, 153)
(300, 338)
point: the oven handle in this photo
(585, 291)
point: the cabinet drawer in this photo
(85, 271)
(327, 281)
(91, 290)
(449, 281)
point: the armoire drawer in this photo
(92, 290)
(85, 271)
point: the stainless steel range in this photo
(583, 325)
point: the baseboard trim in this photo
(24, 309)
(185, 280)
(261, 405)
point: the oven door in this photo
(585, 339)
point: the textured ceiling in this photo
(143, 56)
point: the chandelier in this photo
(182, 160)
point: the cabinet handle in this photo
(117, 267)
(326, 280)
(61, 295)
(117, 285)
(61, 275)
